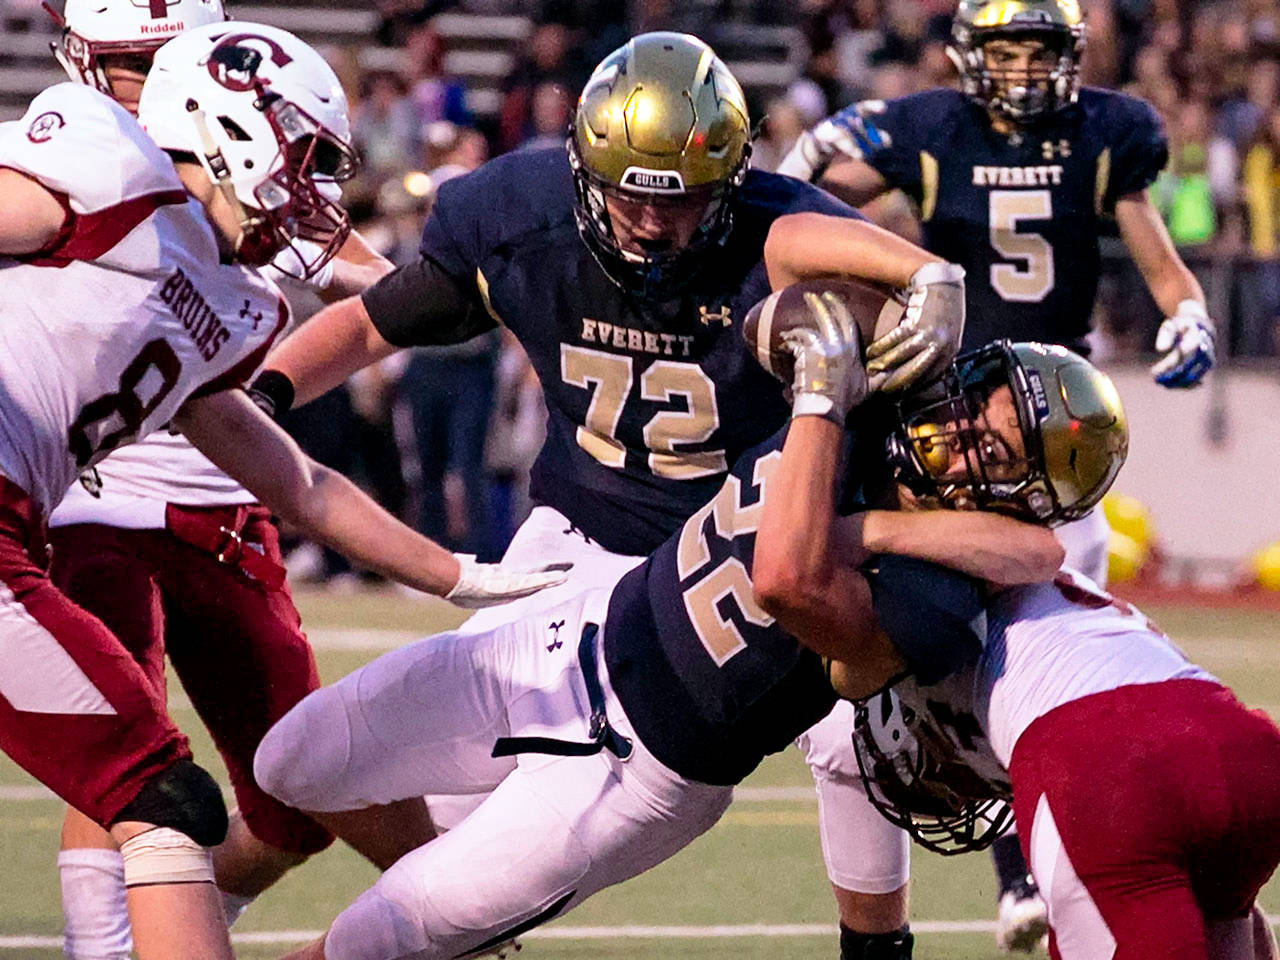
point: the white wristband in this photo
(937, 271)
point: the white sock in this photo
(95, 914)
(234, 906)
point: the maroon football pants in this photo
(1145, 812)
(77, 712)
(235, 642)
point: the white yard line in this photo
(33, 791)
(599, 933)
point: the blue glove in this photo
(1186, 340)
(849, 133)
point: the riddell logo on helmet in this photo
(158, 29)
(653, 181)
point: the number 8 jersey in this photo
(1022, 214)
(128, 312)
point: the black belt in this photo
(603, 736)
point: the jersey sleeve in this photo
(422, 304)
(935, 617)
(1139, 148)
(901, 124)
(85, 148)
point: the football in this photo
(874, 310)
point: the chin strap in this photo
(216, 164)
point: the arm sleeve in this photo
(935, 617)
(422, 304)
(1139, 150)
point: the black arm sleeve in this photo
(421, 305)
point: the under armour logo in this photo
(706, 316)
(245, 314)
(1049, 149)
(556, 643)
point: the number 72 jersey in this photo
(1022, 215)
(109, 330)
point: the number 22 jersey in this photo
(128, 312)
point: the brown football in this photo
(873, 310)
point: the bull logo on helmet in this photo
(235, 61)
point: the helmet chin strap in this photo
(216, 164)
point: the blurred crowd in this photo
(445, 436)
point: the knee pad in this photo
(164, 855)
(184, 798)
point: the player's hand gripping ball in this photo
(809, 336)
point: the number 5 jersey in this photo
(129, 312)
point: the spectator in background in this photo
(1261, 199)
(432, 95)
(452, 151)
(1242, 116)
(783, 123)
(552, 110)
(383, 124)
(449, 394)
(548, 58)
(1183, 193)
(517, 429)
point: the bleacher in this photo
(482, 49)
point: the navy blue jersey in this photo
(1021, 215)
(648, 403)
(710, 682)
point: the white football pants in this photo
(551, 831)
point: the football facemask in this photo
(940, 803)
(1026, 428)
(1022, 89)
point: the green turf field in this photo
(753, 887)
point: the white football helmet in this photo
(267, 119)
(94, 28)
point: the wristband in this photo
(273, 392)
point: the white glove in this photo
(1186, 340)
(489, 584)
(829, 378)
(928, 336)
(848, 132)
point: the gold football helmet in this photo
(661, 126)
(1028, 428)
(1022, 95)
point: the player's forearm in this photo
(989, 546)
(356, 268)
(804, 245)
(853, 181)
(1152, 249)
(798, 576)
(328, 348)
(333, 510)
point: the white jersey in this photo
(1047, 644)
(131, 488)
(128, 313)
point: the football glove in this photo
(848, 133)
(1186, 340)
(928, 336)
(829, 378)
(489, 584)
